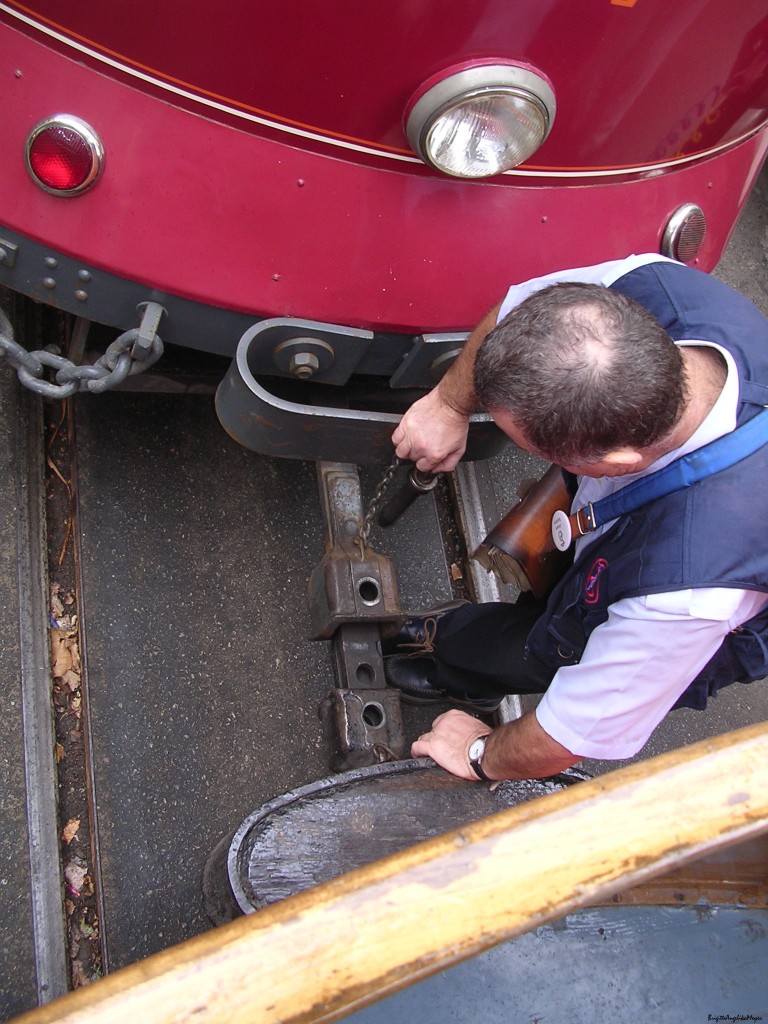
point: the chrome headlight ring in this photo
(479, 120)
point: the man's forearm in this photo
(517, 750)
(522, 750)
(456, 388)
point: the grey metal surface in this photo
(478, 512)
(351, 592)
(341, 823)
(351, 583)
(51, 955)
(32, 948)
(204, 688)
(321, 427)
(18, 983)
(90, 292)
(131, 353)
(610, 965)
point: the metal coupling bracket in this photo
(351, 592)
(364, 727)
(349, 584)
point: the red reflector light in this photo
(64, 155)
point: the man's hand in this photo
(448, 742)
(431, 434)
(516, 750)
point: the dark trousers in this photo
(480, 650)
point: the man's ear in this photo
(627, 459)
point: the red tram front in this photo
(353, 186)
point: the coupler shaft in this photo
(417, 482)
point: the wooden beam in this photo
(318, 955)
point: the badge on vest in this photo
(562, 534)
(592, 581)
(563, 525)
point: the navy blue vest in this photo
(710, 535)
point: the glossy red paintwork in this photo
(197, 202)
(635, 81)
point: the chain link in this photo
(374, 505)
(132, 352)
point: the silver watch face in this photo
(477, 748)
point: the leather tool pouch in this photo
(519, 549)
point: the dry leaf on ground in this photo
(75, 875)
(65, 656)
(70, 830)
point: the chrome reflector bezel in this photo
(461, 87)
(684, 233)
(89, 137)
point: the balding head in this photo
(583, 370)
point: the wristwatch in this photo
(475, 755)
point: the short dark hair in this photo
(583, 370)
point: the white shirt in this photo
(638, 662)
(601, 273)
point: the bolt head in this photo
(304, 365)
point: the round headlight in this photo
(480, 120)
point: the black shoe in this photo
(417, 634)
(411, 676)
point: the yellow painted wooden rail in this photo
(321, 954)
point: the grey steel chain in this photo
(132, 352)
(375, 503)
